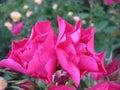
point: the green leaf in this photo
(101, 25)
(110, 29)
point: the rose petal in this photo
(9, 63)
(17, 45)
(100, 62)
(41, 28)
(106, 86)
(113, 66)
(69, 67)
(87, 63)
(64, 27)
(50, 68)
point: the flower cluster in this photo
(52, 58)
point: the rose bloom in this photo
(109, 2)
(3, 83)
(34, 56)
(15, 16)
(38, 2)
(106, 86)
(61, 87)
(75, 50)
(8, 25)
(16, 29)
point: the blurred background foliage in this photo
(93, 13)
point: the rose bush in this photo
(73, 51)
(103, 14)
(61, 87)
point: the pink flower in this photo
(113, 66)
(61, 87)
(75, 50)
(109, 2)
(16, 29)
(106, 86)
(28, 85)
(34, 56)
(110, 68)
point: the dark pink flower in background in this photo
(34, 56)
(110, 68)
(106, 86)
(61, 87)
(61, 77)
(75, 50)
(109, 2)
(16, 29)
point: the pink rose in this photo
(61, 87)
(109, 2)
(75, 50)
(34, 56)
(16, 29)
(110, 68)
(106, 86)
(98, 76)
